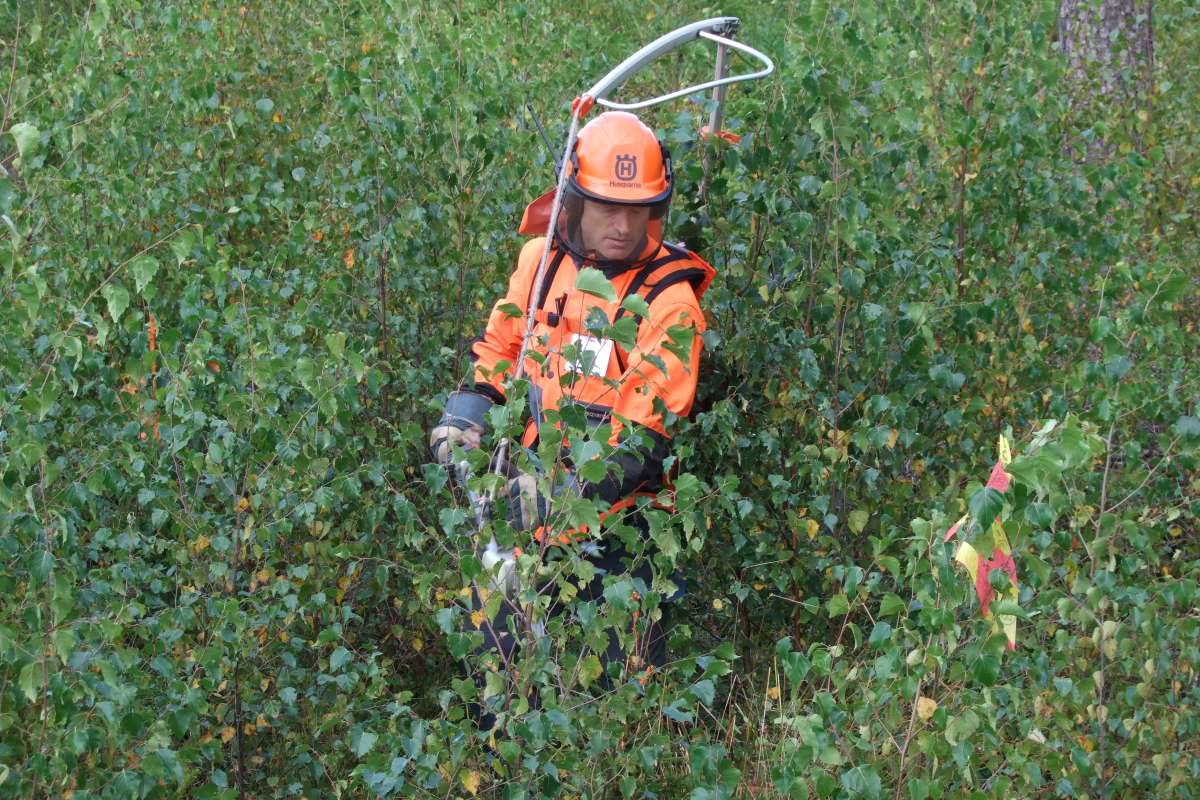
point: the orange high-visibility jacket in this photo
(632, 381)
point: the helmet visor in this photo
(611, 233)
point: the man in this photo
(617, 195)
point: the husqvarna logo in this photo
(626, 167)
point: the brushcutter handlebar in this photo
(717, 29)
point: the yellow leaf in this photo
(243, 503)
(967, 556)
(201, 544)
(278, 118)
(348, 258)
(1005, 451)
(227, 733)
(417, 645)
(813, 528)
(893, 435)
(925, 707)
(470, 782)
(999, 538)
(773, 692)
(718, 603)
(477, 618)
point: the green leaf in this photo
(986, 669)
(40, 564)
(340, 658)
(838, 605)
(182, 245)
(704, 691)
(64, 643)
(891, 564)
(589, 670)
(336, 342)
(28, 138)
(680, 342)
(891, 604)
(117, 299)
(881, 634)
(667, 541)
(592, 281)
(1007, 608)
(29, 681)
(624, 332)
(678, 711)
(1187, 428)
(985, 504)
(510, 310)
(1039, 515)
(362, 741)
(636, 304)
(1118, 367)
(862, 781)
(962, 727)
(858, 520)
(144, 268)
(1174, 287)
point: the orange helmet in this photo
(619, 184)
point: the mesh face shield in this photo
(612, 234)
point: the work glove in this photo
(461, 426)
(528, 506)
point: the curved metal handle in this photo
(709, 29)
(660, 46)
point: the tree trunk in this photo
(1109, 45)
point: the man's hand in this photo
(461, 426)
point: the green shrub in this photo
(243, 251)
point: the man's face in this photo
(613, 231)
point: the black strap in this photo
(548, 281)
(678, 276)
(667, 281)
(674, 254)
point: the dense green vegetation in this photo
(243, 250)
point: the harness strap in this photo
(664, 283)
(548, 280)
(645, 274)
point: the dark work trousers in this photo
(613, 559)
